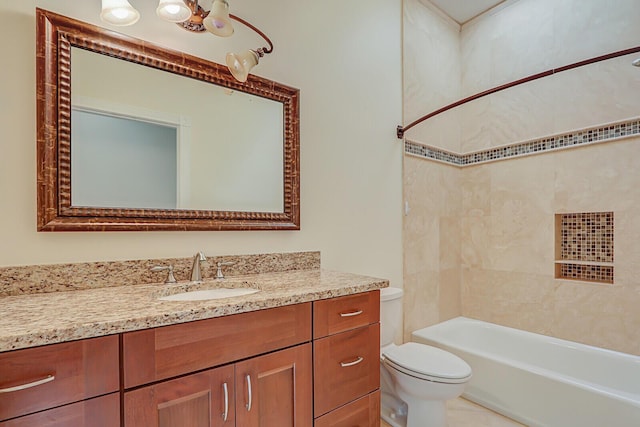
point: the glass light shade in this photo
(241, 64)
(173, 10)
(119, 12)
(218, 21)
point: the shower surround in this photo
(479, 238)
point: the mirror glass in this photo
(145, 138)
(132, 136)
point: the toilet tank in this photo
(390, 314)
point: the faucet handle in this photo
(170, 277)
(219, 264)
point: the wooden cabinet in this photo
(103, 411)
(269, 390)
(266, 378)
(335, 315)
(156, 354)
(275, 389)
(40, 378)
(270, 367)
(347, 366)
(346, 352)
(204, 399)
(363, 412)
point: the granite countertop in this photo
(47, 318)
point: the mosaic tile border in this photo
(605, 133)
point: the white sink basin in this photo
(207, 290)
(209, 294)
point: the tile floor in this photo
(463, 413)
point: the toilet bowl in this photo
(416, 379)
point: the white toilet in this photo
(415, 379)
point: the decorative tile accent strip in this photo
(432, 153)
(589, 273)
(588, 136)
(587, 236)
(67, 277)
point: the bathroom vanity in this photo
(303, 351)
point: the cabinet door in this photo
(275, 389)
(205, 399)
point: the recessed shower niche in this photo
(584, 246)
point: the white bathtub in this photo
(540, 380)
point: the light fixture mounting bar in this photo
(262, 50)
(194, 24)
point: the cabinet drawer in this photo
(58, 374)
(347, 366)
(156, 354)
(340, 314)
(101, 411)
(364, 412)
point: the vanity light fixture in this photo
(192, 17)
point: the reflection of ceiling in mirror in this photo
(230, 142)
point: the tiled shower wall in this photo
(431, 244)
(508, 243)
(504, 227)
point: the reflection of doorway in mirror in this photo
(126, 161)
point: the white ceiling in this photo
(462, 11)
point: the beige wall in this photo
(506, 217)
(337, 55)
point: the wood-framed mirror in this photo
(262, 138)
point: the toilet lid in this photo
(427, 362)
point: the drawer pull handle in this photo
(353, 363)
(225, 414)
(351, 313)
(49, 378)
(249, 392)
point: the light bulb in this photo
(119, 12)
(173, 10)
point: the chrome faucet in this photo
(219, 264)
(196, 274)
